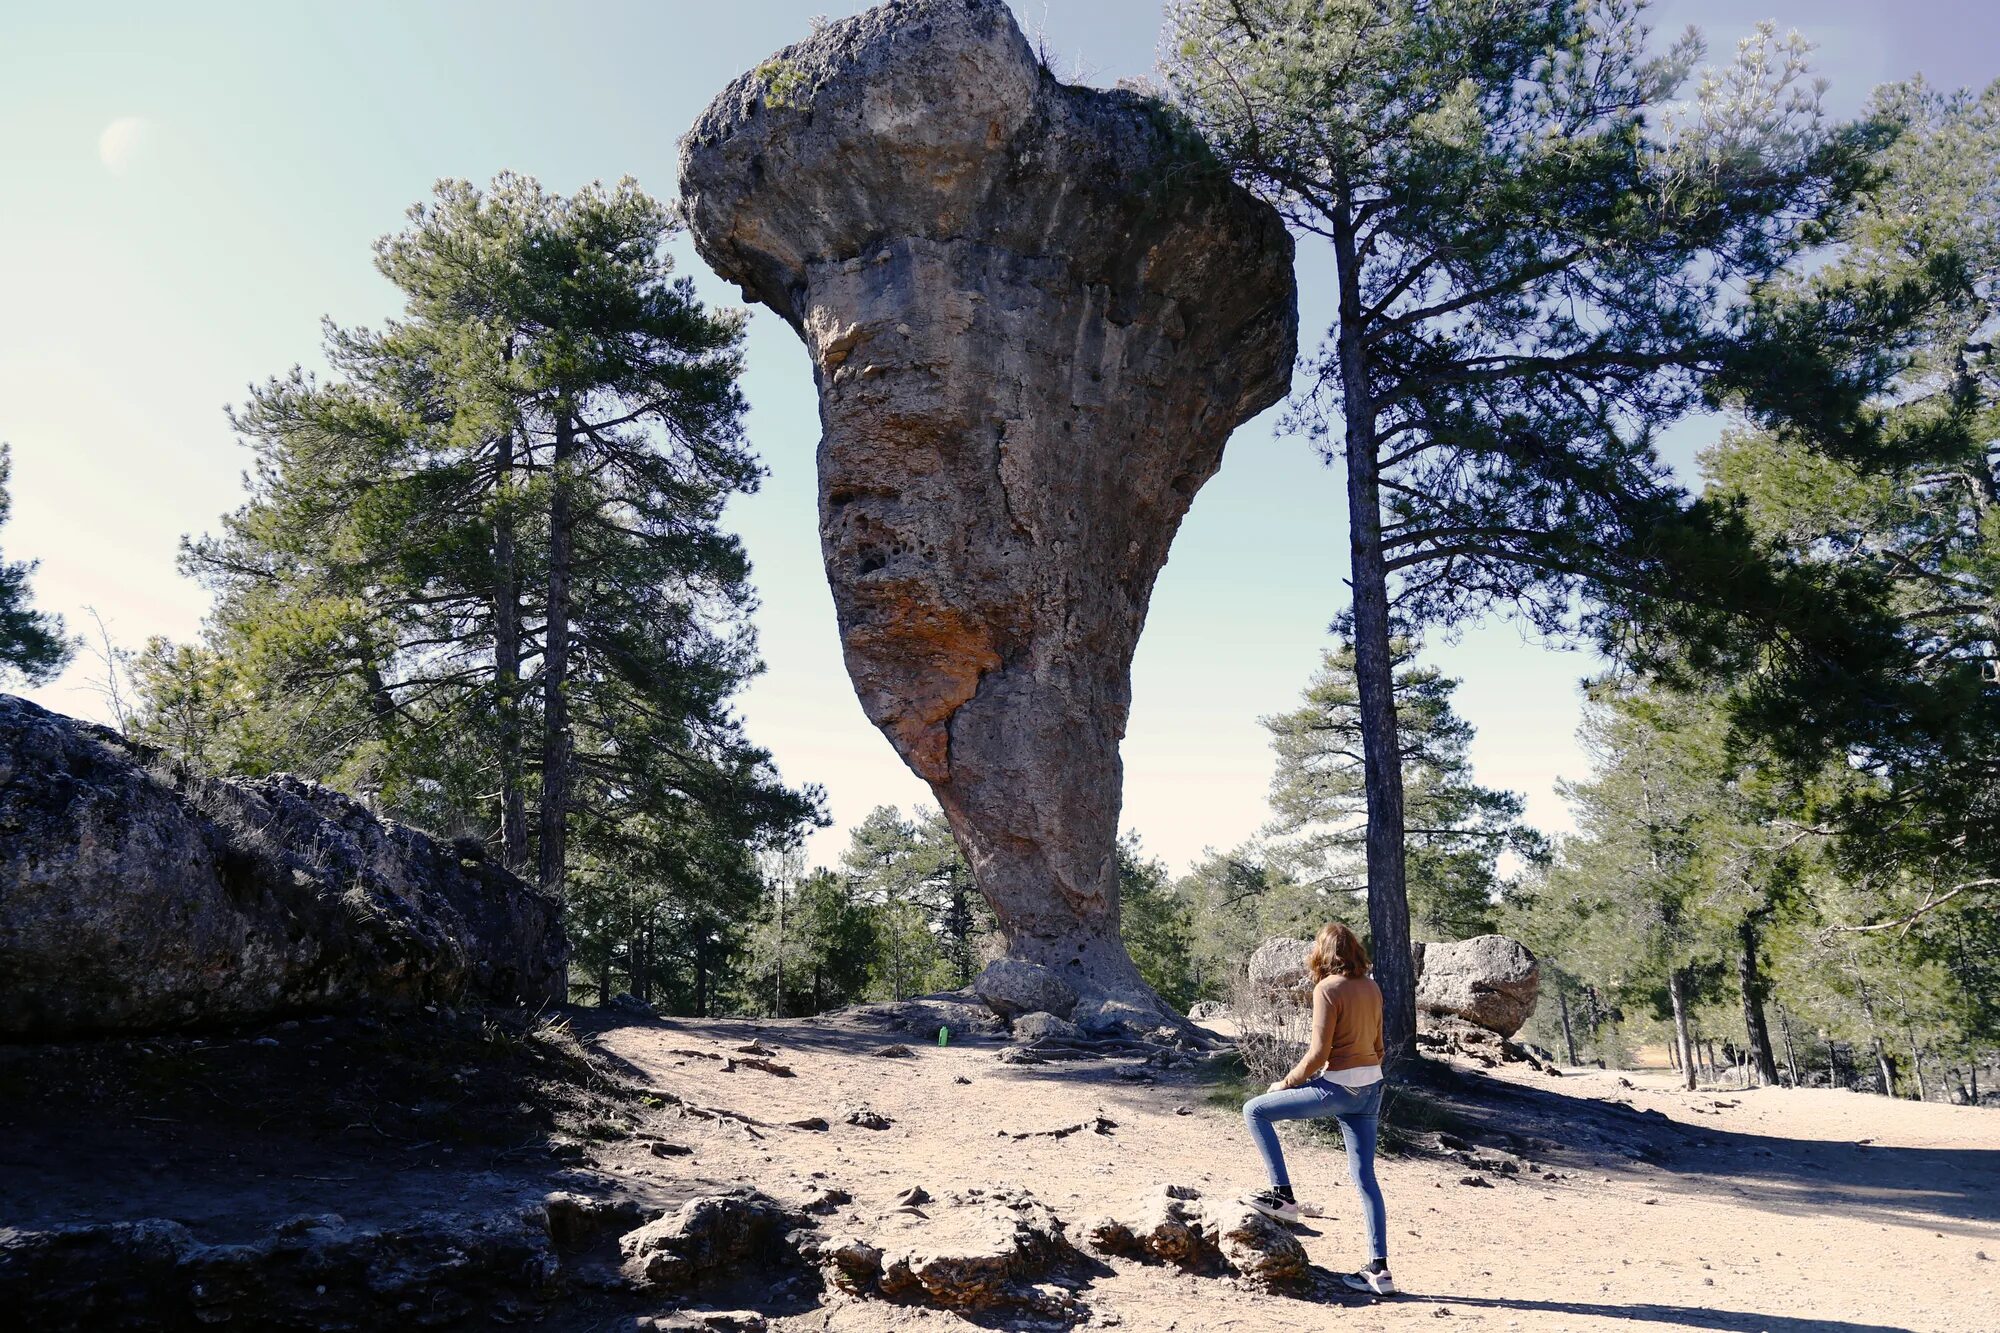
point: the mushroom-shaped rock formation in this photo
(1035, 313)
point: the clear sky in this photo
(191, 187)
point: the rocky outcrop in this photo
(321, 1273)
(1035, 312)
(1175, 1225)
(1038, 1028)
(980, 1250)
(1490, 980)
(313, 1273)
(708, 1235)
(1170, 1225)
(133, 900)
(961, 1013)
(1260, 1251)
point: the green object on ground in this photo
(944, 1036)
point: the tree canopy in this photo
(1534, 237)
(481, 575)
(32, 643)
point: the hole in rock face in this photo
(870, 561)
(838, 497)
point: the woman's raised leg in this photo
(1261, 1114)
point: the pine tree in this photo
(930, 920)
(1532, 246)
(839, 938)
(1235, 900)
(889, 872)
(1156, 925)
(1875, 386)
(1455, 830)
(32, 643)
(499, 517)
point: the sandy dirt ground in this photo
(1765, 1209)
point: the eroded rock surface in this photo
(1490, 980)
(976, 1250)
(312, 1273)
(131, 900)
(1036, 1028)
(1035, 312)
(1012, 988)
(705, 1236)
(962, 1013)
(1175, 1225)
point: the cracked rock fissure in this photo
(1035, 313)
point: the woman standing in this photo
(1340, 1075)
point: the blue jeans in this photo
(1357, 1110)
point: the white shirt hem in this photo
(1358, 1077)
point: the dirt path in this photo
(1773, 1210)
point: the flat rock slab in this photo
(976, 1250)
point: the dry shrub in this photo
(1271, 1027)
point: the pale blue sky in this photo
(190, 187)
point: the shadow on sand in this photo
(1674, 1316)
(1943, 1189)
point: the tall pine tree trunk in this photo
(1683, 1038)
(701, 973)
(778, 997)
(1883, 1065)
(555, 660)
(507, 662)
(1569, 1034)
(1750, 980)
(1374, 671)
(1916, 1052)
(1791, 1052)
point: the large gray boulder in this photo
(1278, 967)
(1490, 980)
(1011, 988)
(1037, 1028)
(133, 900)
(1035, 312)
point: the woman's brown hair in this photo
(1337, 951)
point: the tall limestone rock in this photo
(1035, 313)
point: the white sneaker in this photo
(1380, 1284)
(1273, 1205)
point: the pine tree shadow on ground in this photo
(1940, 1189)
